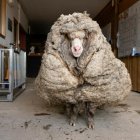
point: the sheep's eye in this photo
(68, 36)
(81, 38)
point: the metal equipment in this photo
(12, 73)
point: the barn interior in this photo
(24, 26)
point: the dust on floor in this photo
(29, 118)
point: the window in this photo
(2, 18)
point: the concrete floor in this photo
(23, 119)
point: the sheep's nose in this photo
(77, 48)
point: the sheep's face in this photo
(77, 42)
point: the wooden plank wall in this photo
(107, 15)
(133, 66)
(138, 76)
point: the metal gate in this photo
(12, 73)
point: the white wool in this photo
(95, 75)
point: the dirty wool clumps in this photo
(90, 73)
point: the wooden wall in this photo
(133, 66)
(110, 14)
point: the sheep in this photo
(79, 69)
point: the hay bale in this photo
(96, 75)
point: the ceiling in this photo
(45, 12)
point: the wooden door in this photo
(22, 38)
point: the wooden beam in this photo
(106, 15)
(125, 4)
(114, 30)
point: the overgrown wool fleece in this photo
(96, 76)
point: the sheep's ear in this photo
(86, 14)
(88, 34)
(91, 37)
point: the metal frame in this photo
(10, 88)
